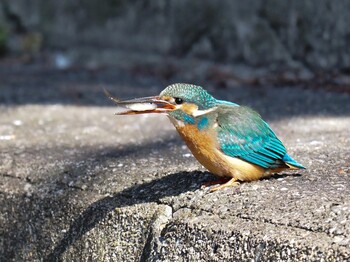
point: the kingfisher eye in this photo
(178, 100)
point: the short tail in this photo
(291, 162)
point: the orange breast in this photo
(204, 147)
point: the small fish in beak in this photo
(144, 105)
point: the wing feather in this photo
(243, 134)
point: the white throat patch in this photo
(203, 112)
(176, 122)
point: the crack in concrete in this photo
(23, 179)
(11, 176)
(159, 221)
(253, 219)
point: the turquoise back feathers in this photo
(245, 135)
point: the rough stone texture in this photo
(78, 183)
(311, 34)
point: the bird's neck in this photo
(180, 118)
(200, 122)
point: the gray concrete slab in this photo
(78, 183)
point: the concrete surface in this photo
(80, 184)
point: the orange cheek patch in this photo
(189, 108)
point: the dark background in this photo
(218, 44)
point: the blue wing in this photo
(243, 134)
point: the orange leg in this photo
(221, 183)
(229, 183)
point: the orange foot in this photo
(223, 182)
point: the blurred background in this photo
(63, 154)
(150, 44)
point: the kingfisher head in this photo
(182, 102)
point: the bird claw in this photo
(223, 183)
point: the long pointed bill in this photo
(144, 105)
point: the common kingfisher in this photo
(231, 141)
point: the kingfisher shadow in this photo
(282, 175)
(170, 185)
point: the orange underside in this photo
(204, 147)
